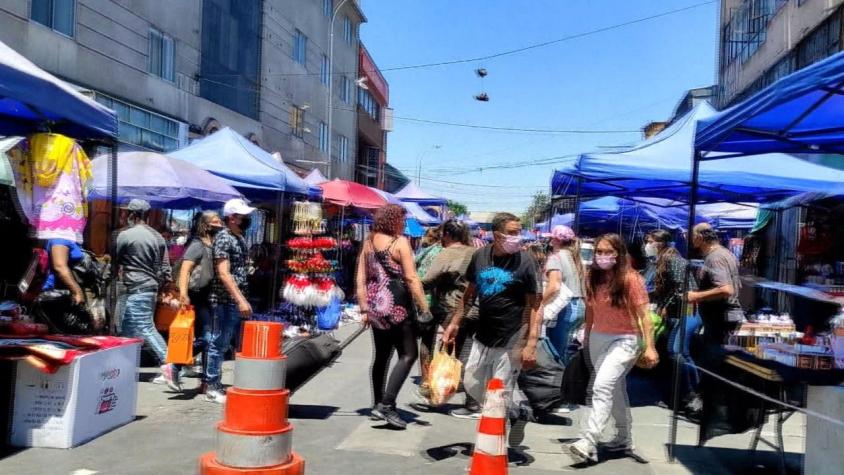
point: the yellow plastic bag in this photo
(444, 376)
(180, 340)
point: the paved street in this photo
(334, 437)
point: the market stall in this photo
(58, 378)
(800, 113)
(411, 193)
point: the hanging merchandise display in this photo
(307, 218)
(52, 176)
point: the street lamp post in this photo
(419, 163)
(331, 84)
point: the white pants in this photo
(612, 357)
(504, 363)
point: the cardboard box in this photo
(94, 394)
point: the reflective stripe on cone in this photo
(209, 466)
(255, 411)
(242, 450)
(490, 454)
(260, 374)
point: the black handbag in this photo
(576, 380)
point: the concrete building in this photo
(764, 40)
(177, 70)
(374, 122)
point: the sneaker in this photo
(618, 445)
(216, 395)
(466, 413)
(517, 432)
(159, 380)
(376, 414)
(423, 394)
(171, 377)
(564, 409)
(190, 372)
(392, 417)
(582, 451)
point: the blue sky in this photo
(615, 80)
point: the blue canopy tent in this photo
(414, 194)
(611, 213)
(243, 164)
(418, 213)
(800, 113)
(412, 228)
(662, 167)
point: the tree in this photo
(457, 208)
(538, 205)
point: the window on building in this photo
(345, 89)
(300, 48)
(324, 70)
(368, 103)
(142, 128)
(823, 42)
(161, 55)
(323, 137)
(60, 15)
(348, 30)
(231, 54)
(327, 7)
(343, 148)
(297, 121)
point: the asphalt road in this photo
(334, 435)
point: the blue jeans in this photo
(138, 313)
(689, 376)
(561, 334)
(221, 334)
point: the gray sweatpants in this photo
(505, 363)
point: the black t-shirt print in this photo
(503, 284)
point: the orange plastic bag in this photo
(165, 315)
(444, 376)
(180, 341)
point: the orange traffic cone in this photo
(254, 437)
(490, 455)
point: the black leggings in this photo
(403, 339)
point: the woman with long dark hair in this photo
(387, 287)
(616, 320)
(668, 300)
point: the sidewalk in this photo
(335, 437)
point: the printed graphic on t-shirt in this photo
(493, 280)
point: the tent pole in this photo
(577, 206)
(279, 234)
(678, 357)
(111, 323)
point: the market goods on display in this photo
(307, 218)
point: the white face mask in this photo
(651, 250)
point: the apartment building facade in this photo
(177, 70)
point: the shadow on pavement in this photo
(762, 462)
(312, 412)
(438, 454)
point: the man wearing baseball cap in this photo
(229, 292)
(144, 266)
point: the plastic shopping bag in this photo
(444, 376)
(180, 340)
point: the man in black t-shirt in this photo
(503, 277)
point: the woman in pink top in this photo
(615, 298)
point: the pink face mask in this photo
(511, 244)
(605, 262)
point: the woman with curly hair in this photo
(387, 287)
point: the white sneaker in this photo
(171, 377)
(583, 451)
(564, 409)
(216, 395)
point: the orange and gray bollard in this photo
(490, 455)
(255, 437)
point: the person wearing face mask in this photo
(667, 297)
(616, 318)
(564, 268)
(229, 291)
(195, 275)
(504, 278)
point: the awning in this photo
(800, 113)
(413, 193)
(7, 177)
(661, 167)
(32, 100)
(160, 180)
(418, 213)
(349, 193)
(315, 177)
(243, 164)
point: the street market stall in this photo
(800, 113)
(58, 378)
(411, 193)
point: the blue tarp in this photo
(800, 113)
(661, 167)
(412, 228)
(417, 212)
(31, 98)
(243, 164)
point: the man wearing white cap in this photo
(229, 292)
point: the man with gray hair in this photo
(144, 266)
(718, 284)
